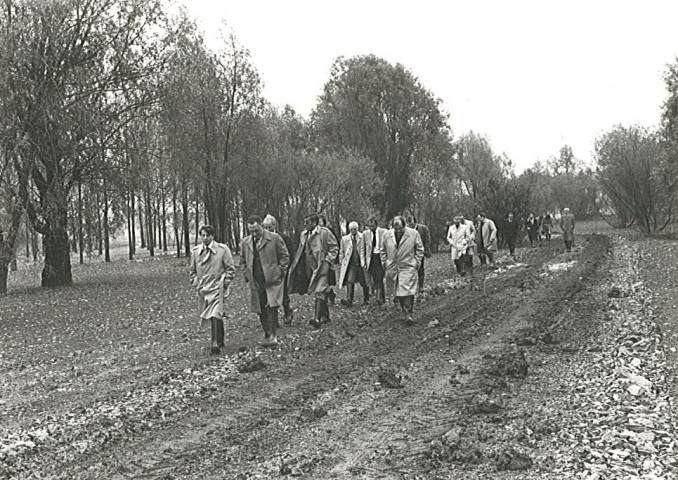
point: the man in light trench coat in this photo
(318, 247)
(264, 260)
(402, 252)
(211, 272)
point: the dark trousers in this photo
(268, 316)
(355, 274)
(377, 272)
(568, 245)
(460, 263)
(286, 295)
(406, 303)
(422, 274)
(511, 241)
(217, 331)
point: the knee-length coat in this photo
(459, 239)
(488, 233)
(401, 262)
(210, 272)
(345, 252)
(274, 259)
(567, 225)
(324, 248)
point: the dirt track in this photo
(482, 383)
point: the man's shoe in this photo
(271, 342)
(314, 323)
(215, 350)
(409, 320)
(289, 316)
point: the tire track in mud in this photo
(320, 416)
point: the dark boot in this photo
(325, 311)
(263, 318)
(214, 347)
(273, 326)
(220, 332)
(350, 293)
(315, 322)
(289, 315)
(366, 294)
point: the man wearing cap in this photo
(352, 262)
(271, 224)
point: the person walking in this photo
(511, 233)
(458, 237)
(547, 226)
(470, 250)
(426, 240)
(265, 260)
(373, 238)
(532, 226)
(567, 226)
(312, 263)
(211, 271)
(487, 239)
(402, 252)
(352, 263)
(271, 224)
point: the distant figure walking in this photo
(265, 260)
(487, 239)
(211, 272)
(459, 238)
(532, 226)
(567, 226)
(547, 226)
(511, 233)
(401, 254)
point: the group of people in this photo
(384, 262)
(466, 239)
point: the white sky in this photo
(530, 75)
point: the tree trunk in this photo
(133, 230)
(81, 242)
(142, 233)
(100, 237)
(128, 207)
(57, 270)
(175, 218)
(197, 221)
(185, 220)
(149, 223)
(107, 241)
(164, 221)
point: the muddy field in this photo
(550, 365)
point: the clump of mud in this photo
(511, 363)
